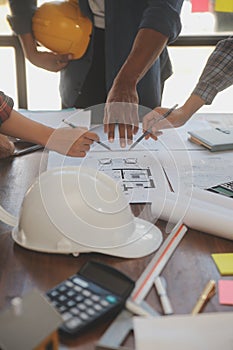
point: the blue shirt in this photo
(123, 19)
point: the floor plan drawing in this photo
(128, 172)
(139, 172)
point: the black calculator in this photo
(97, 292)
(225, 189)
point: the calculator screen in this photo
(224, 191)
(115, 284)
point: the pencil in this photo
(164, 116)
(75, 126)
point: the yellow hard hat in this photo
(61, 27)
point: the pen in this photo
(27, 150)
(206, 294)
(165, 115)
(75, 126)
(164, 299)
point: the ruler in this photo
(123, 323)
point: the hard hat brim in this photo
(147, 238)
(143, 244)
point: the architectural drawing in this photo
(139, 172)
(128, 172)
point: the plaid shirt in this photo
(6, 105)
(218, 72)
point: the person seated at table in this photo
(71, 142)
(216, 76)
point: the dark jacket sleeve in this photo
(164, 17)
(6, 105)
(20, 19)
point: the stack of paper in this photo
(209, 331)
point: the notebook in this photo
(215, 139)
(205, 331)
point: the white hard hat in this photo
(79, 209)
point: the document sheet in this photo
(203, 331)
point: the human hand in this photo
(71, 142)
(6, 147)
(50, 61)
(152, 121)
(121, 108)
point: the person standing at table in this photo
(216, 76)
(126, 61)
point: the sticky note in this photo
(200, 5)
(224, 5)
(225, 292)
(224, 262)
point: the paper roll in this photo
(7, 218)
(197, 211)
(213, 198)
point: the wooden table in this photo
(187, 272)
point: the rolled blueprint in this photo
(213, 198)
(7, 218)
(203, 211)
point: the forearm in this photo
(21, 127)
(192, 105)
(146, 49)
(47, 60)
(178, 117)
(29, 45)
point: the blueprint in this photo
(139, 173)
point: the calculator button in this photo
(79, 298)
(104, 303)
(84, 316)
(81, 306)
(75, 311)
(78, 289)
(66, 316)
(80, 282)
(62, 298)
(71, 293)
(53, 294)
(98, 307)
(62, 308)
(62, 288)
(88, 302)
(95, 297)
(73, 323)
(111, 299)
(70, 303)
(91, 312)
(86, 293)
(69, 284)
(55, 303)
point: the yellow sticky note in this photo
(224, 5)
(224, 263)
